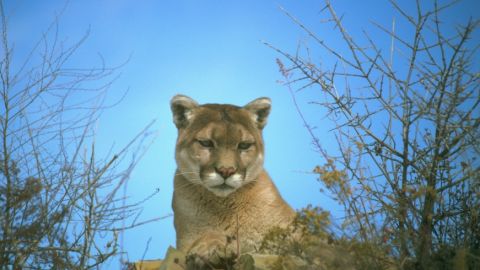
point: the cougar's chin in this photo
(222, 191)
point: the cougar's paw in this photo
(211, 250)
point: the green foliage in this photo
(311, 243)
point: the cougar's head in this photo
(219, 146)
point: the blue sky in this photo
(211, 51)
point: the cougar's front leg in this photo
(211, 249)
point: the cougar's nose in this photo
(226, 172)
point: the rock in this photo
(145, 265)
(174, 260)
(267, 262)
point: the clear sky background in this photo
(211, 51)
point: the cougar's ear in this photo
(259, 109)
(182, 109)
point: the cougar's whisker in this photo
(182, 173)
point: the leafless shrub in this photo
(62, 207)
(407, 172)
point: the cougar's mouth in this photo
(223, 186)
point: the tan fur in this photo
(216, 140)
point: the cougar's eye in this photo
(244, 145)
(206, 143)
